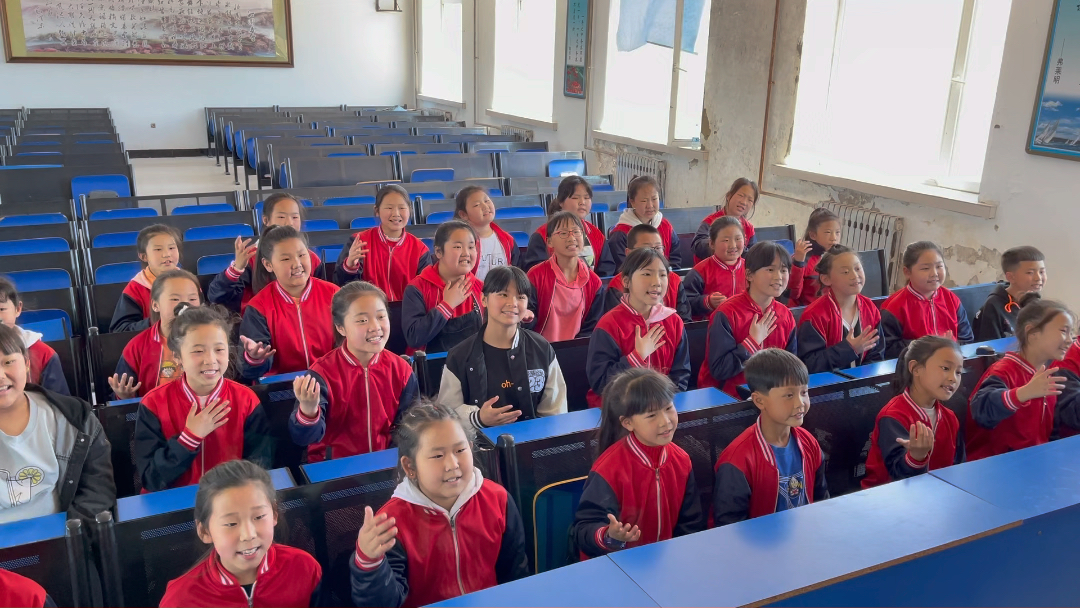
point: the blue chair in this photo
(600, 207)
(521, 239)
(30, 246)
(120, 272)
(199, 209)
(116, 239)
(85, 184)
(603, 188)
(46, 314)
(348, 200)
(222, 231)
(443, 216)
(566, 166)
(318, 225)
(431, 196)
(496, 192)
(214, 264)
(119, 214)
(329, 252)
(51, 330)
(509, 213)
(430, 244)
(787, 245)
(41, 280)
(33, 219)
(432, 175)
(363, 223)
(54, 153)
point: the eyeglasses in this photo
(565, 234)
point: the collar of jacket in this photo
(288, 298)
(652, 456)
(410, 493)
(919, 295)
(352, 360)
(193, 398)
(73, 409)
(226, 578)
(656, 315)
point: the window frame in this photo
(418, 57)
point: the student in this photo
(446, 531)
(287, 325)
(52, 445)
(1025, 276)
(822, 234)
(641, 331)
(495, 246)
(923, 307)
(147, 361)
(1067, 412)
(232, 287)
(187, 427)
(750, 321)
(504, 373)
(640, 237)
(1013, 405)
(45, 368)
(17, 591)
(236, 511)
(569, 295)
(723, 274)
(841, 328)
(915, 432)
(442, 304)
(386, 256)
(641, 489)
(643, 207)
(739, 202)
(774, 465)
(159, 250)
(348, 401)
(574, 195)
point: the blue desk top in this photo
(701, 399)
(352, 465)
(36, 529)
(870, 370)
(1001, 345)
(803, 547)
(594, 582)
(550, 426)
(289, 377)
(176, 499)
(123, 401)
(1029, 482)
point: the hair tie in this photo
(181, 308)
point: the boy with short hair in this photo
(640, 237)
(775, 464)
(1025, 276)
(45, 368)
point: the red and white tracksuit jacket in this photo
(286, 577)
(730, 345)
(889, 461)
(997, 421)
(301, 330)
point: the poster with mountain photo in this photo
(1055, 124)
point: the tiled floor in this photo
(154, 176)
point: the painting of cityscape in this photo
(1055, 124)
(201, 32)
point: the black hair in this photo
(271, 202)
(502, 277)
(636, 260)
(442, 234)
(271, 236)
(736, 186)
(1035, 315)
(764, 253)
(818, 217)
(634, 233)
(919, 350)
(412, 424)
(226, 476)
(638, 390)
(389, 189)
(348, 294)
(567, 188)
(196, 316)
(11, 342)
(722, 222)
(560, 218)
(914, 251)
(825, 263)
(8, 291)
(159, 286)
(143, 240)
(461, 201)
(1012, 258)
(772, 368)
(637, 183)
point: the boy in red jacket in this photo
(775, 464)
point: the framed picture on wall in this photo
(577, 48)
(1055, 121)
(248, 33)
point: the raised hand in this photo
(1043, 384)
(244, 252)
(357, 252)
(621, 532)
(124, 386)
(256, 351)
(865, 341)
(377, 535)
(802, 249)
(496, 416)
(919, 443)
(762, 327)
(211, 418)
(307, 393)
(456, 292)
(648, 342)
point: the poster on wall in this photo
(577, 48)
(1055, 124)
(173, 32)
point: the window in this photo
(440, 49)
(524, 83)
(899, 89)
(639, 100)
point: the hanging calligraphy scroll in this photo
(577, 47)
(1055, 123)
(175, 32)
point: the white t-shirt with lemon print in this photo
(29, 470)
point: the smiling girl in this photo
(569, 295)
(159, 248)
(643, 207)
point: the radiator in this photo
(518, 132)
(864, 229)
(629, 165)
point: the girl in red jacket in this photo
(232, 287)
(45, 368)
(750, 321)
(641, 489)
(348, 401)
(147, 361)
(822, 234)
(287, 325)
(18, 591)
(841, 328)
(159, 248)
(236, 512)
(574, 195)
(1013, 406)
(641, 331)
(739, 202)
(643, 207)
(187, 427)
(386, 256)
(569, 296)
(446, 531)
(723, 274)
(915, 432)
(495, 246)
(924, 307)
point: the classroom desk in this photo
(1000, 346)
(594, 582)
(33, 530)
(814, 381)
(870, 370)
(701, 398)
(175, 499)
(351, 465)
(549, 426)
(780, 555)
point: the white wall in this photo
(344, 53)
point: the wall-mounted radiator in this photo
(864, 229)
(627, 165)
(518, 132)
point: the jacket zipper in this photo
(659, 511)
(250, 598)
(367, 394)
(457, 553)
(303, 339)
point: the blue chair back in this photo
(603, 187)
(222, 231)
(199, 209)
(44, 315)
(430, 244)
(521, 239)
(119, 214)
(432, 175)
(318, 225)
(41, 280)
(363, 223)
(509, 213)
(349, 200)
(329, 252)
(85, 184)
(33, 219)
(116, 239)
(51, 330)
(566, 166)
(120, 272)
(30, 246)
(431, 196)
(214, 264)
(787, 245)
(443, 216)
